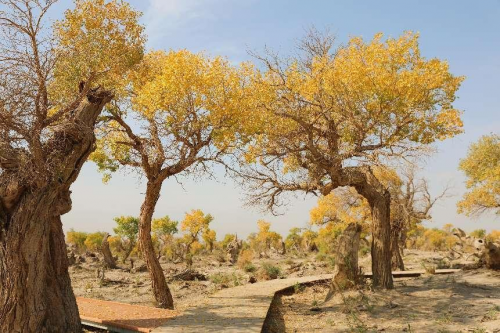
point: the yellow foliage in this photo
(265, 237)
(115, 244)
(176, 97)
(209, 237)
(494, 236)
(195, 248)
(97, 42)
(327, 235)
(245, 258)
(308, 238)
(76, 238)
(482, 169)
(195, 222)
(358, 104)
(177, 84)
(342, 206)
(93, 241)
(448, 228)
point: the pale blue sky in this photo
(466, 33)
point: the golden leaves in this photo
(196, 221)
(190, 89)
(482, 168)
(97, 41)
(341, 207)
(378, 91)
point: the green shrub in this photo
(269, 271)
(249, 268)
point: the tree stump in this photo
(232, 251)
(283, 248)
(346, 271)
(109, 260)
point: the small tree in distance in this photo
(195, 224)
(164, 229)
(482, 169)
(93, 241)
(76, 238)
(127, 228)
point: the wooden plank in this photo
(121, 317)
(405, 274)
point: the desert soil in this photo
(465, 302)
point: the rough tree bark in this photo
(35, 288)
(346, 272)
(109, 261)
(379, 199)
(159, 284)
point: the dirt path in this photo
(239, 309)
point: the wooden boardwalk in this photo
(120, 317)
(238, 309)
(244, 309)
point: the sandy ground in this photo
(465, 302)
(121, 285)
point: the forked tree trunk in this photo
(379, 199)
(128, 251)
(35, 287)
(158, 283)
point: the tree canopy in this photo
(186, 110)
(482, 169)
(317, 116)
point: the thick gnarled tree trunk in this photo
(35, 292)
(381, 240)
(346, 272)
(379, 199)
(35, 287)
(158, 283)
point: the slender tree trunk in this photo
(397, 257)
(159, 284)
(35, 287)
(128, 251)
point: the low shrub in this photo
(269, 272)
(221, 278)
(249, 268)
